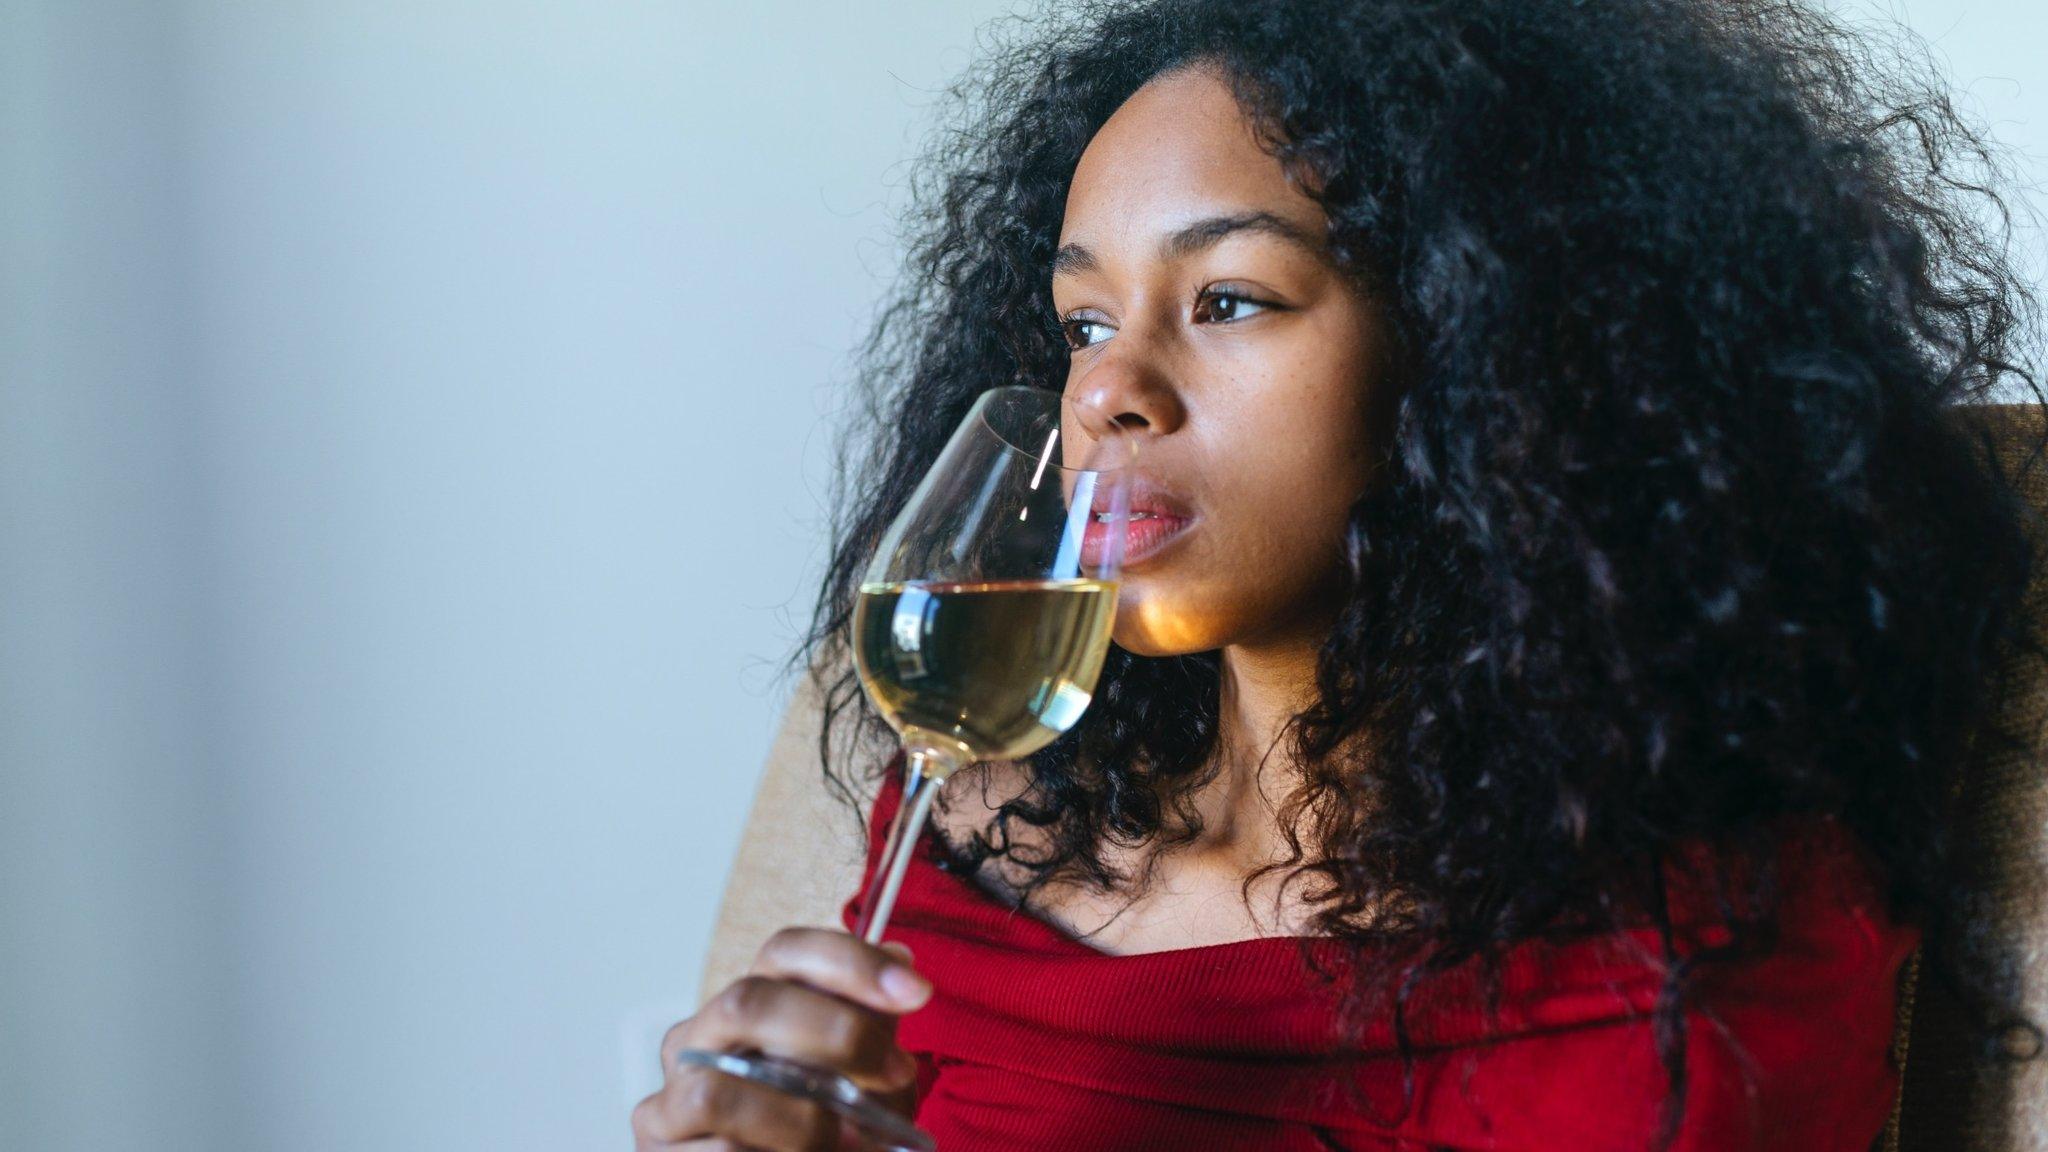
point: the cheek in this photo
(1281, 433)
(1268, 551)
(1248, 570)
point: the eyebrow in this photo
(1203, 233)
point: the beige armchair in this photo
(800, 856)
(800, 860)
(1951, 1102)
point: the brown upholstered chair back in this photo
(800, 855)
(1952, 1101)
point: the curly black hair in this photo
(1685, 531)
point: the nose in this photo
(1130, 390)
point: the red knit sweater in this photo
(1035, 1040)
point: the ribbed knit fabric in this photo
(1035, 1040)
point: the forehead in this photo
(1178, 150)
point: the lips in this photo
(1157, 517)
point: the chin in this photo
(1151, 626)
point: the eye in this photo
(1084, 330)
(1223, 305)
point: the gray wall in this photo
(413, 428)
(117, 933)
(412, 423)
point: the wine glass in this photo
(979, 632)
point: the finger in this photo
(698, 1103)
(842, 964)
(801, 1023)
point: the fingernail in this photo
(898, 949)
(906, 985)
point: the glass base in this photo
(884, 1130)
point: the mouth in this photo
(1156, 518)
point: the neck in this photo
(1262, 688)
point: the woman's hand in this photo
(815, 995)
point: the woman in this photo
(1570, 588)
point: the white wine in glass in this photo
(993, 669)
(979, 632)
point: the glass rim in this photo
(1034, 452)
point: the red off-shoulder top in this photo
(1035, 1040)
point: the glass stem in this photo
(919, 785)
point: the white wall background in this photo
(412, 435)
(412, 427)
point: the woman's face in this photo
(1202, 311)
